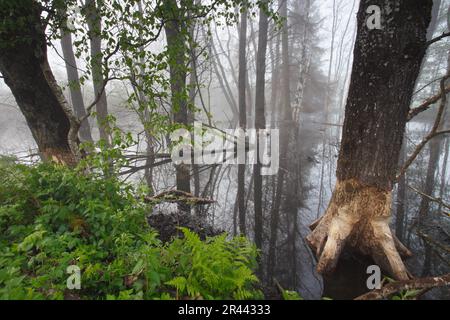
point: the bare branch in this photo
(437, 200)
(429, 239)
(434, 130)
(426, 104)
(442, 36)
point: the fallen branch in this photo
(398, 286)
(176, 196)
(151, 165)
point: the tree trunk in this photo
(260, 122)
(94, 21)
(303, 67)
(385, 68)
(285, 128)
(430, 183)
(25, 68)
(445, 163)
(177, 49)
(275, 79)
(194, 85)
(401, 197)
(224, 84)
(242, 82)
(74, 82)
(435, 145)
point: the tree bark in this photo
(260, 121)
(435, 145)
(242, 82)
(385, 68)
(285, 129)
(94, 20)
(275, 81)
(25, 68)
(401, 197)
(74, 81)
(177, 50)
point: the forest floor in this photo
(168, 225)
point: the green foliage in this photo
(288, 294)
(406, 295)
(216, 268)
(52, 217)
(110, 158)
(291, 295)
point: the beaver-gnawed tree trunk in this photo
(25, 69)
(386, 65)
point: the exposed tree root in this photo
(358, 216)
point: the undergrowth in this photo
(52, 217)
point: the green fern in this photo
(218, 268)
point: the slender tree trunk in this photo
(275, 81)
(193, 87)
(242, 82)
(327, 107)
(260, 121)
(285, 128)
(94, 20)
(445, 163)
(304, 65)
(435, 145)
(146, 115)
(176, 44)
(430, 181)
(401, 197)
(224, 84)
(25, 68)
(74, 83)
(385, 68)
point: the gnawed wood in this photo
(358, 216)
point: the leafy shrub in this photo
(52, 217)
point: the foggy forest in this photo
(224, 150)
